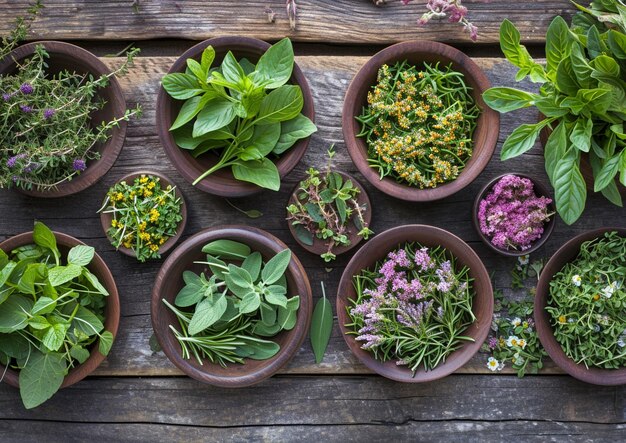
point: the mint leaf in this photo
(41, 378)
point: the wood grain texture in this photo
(330, 21)
(340, 408)
(328, 77)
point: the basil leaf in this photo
(607, 173)
(265, 138)
(181, 86)
(566, 78)
(293, 130)
(617, 44)
(558, 42)
(207, 313)
(521, 140)
(581, 134)
(276, 267)
(231, 69)
(518, 54)
(197, 70)
(280, 105)
(260, 172)
(41, 378)
(274, 68)
(549, 107)
(217, 114)
(185, 140)
(504, 99)
(187, 112)
(208, 55)
(81, 255)
(580, 66)
(570, 191)
(321, 326)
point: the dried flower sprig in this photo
(418, 124)
(145, 215)
(413, 307)
(327, 207)
(586, 304)
(45, 128)
(512, 216)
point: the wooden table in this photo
(138, 395)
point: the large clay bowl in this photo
(222, 182)
(169, 281)
(565, 254)
(418, 52)
(65, 56)
(429, 236)
(112, 311)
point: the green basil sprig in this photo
(246, 113)
(50, 314)
(581, 94)
(236, 306)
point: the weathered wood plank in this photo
(290, 401)
(329, 78)
(330, 21)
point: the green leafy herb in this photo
(244, 113)
(244, 300)
(51, 314)
(321, 326)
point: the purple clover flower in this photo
(79, 165)
(26, 88)
(493, 342)
(48, 113)
(26, 109)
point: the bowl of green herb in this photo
(415, 123)
(415, 303)
(579, 307)
(68, 117)
(234, 115)
(143, 215)
(59, 312)
(329, 212)
(231, 306)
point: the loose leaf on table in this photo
(261, 172)
(207, 312)
(81, 255)
(276, 267)
(227, 249)
(41, 378)
(321, 326)
(293, 130)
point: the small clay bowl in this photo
(169, 281)
(64, 56)
(319, 245)
(429, 236)
(418, 52)
(540, 191)
(105, 219)
(112, 310)
(222, 182)
(568, 252)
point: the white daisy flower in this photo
(523, 259)
(521, 343)
(577, 280)
(609, 290)
(493, 364)
(512, 341)
(516, 322)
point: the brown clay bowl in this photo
(417, 52)
(112, 311)
(319, 245)
(64, 56)
(541, 191)
(105, 219)
(169, 281)
(568, 252)
(222, 182)
(429, 236)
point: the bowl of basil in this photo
(234, 115)
(231, 305)
(59, 312)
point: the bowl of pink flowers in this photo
(513, 214)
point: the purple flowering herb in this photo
(512, 216)
(453, 9)
(13, 160)
(26, 88)
(48, 113)
(6, 96)
(79, 165)
(26, 109)
(493, 342)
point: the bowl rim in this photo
(317, 247)
(593, 375)
(105, 219)
(540, 190)
(228, 186)
(244, 234)
(490, 124)
(112, 310)
(112, 147)
(372, 249)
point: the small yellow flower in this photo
(154, 248)
(144, 236)
(562, 319)
(147, 193)
(119, 196)
(143, 179)
(127, 244)
(142, 226)
(151, 185)
(161, 241)
(154, 215)
(114, 223)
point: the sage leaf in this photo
(260, 349)
(249, 303)
(287, 316)
(268, 314)
(207, 312)
(321, 326)
(81, 255)
(227, 249)
(260, 172)
(252, 264)
(280, 105)
(191, 293)
(293, 130)
(276, 267)
(276, 298)
(41, 378)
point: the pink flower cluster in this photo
(401, 296)
(453, 9)
(512, 215)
